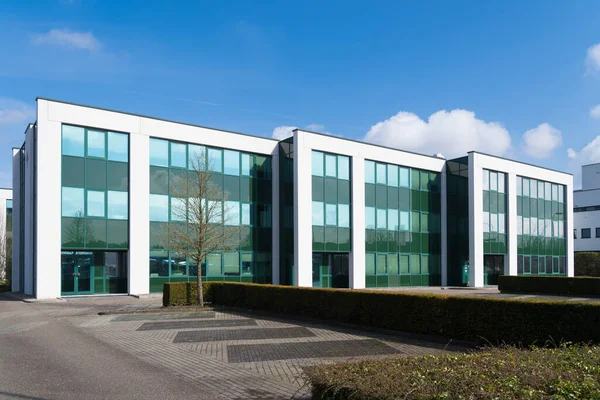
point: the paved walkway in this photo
(220, 354)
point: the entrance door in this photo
(76, 272)
(494, 267)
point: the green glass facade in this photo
(494, 225)
(286, 211)
(541, 225)
(331, 217)
(245, 180)
(403, 226)
(94, 209)
(457, 201)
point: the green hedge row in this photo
(557, 285)
(587, 264)
(185, 293)
(467, 318)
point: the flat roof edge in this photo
(519, 162)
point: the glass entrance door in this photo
(76, 272)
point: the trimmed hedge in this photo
(184, 293)
(476, 319)
(503, 373)
(587, 263)
(556, 285)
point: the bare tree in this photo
(206, 223)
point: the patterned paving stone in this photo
(242, 334)
(161, 317)
(226, 323)
(284, 351)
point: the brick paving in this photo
(236, 358)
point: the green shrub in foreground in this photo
(501, 373)
(184, 293)
(587, 263)
(556, 285)
(483, 320)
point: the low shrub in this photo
(558, 285)
(184, 293)
(501, 373)
(476, 319)
(4, 286)
(587, 263)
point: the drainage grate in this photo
(161, 317)
(284, 351)
(242, 334)
(217, 323)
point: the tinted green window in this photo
(318, 213)
(196, 157)
(117, 205)
(404, 180)
(95, 233)
(381, 174)
(370, 264)
(72, 232)
(159, 180)
(381, 264)
(231, 263)
(370, 217)
(247, 164)
(117, 176)
(317, 163)
(369, 172)
(330, 165)
(331, 190)
(404, 264)
(231, 162)
(73, 171)
(95, 174)
(178, 155)
(95, 204)
(96, 144)
(159, 208)
(381, 219)
(318, 238)
(72, 202)
(318, 188)
(415, 222)
(392, 260)
(344, 239)
(343, 192)
(231, 185)
(343, 168)
(344, 215)
(330, 214)
(117, 233)
(159, 152)
(215, 160)
(424, 180)
(415, 179)
(415, 264)
(392, 175)
(73, 139)
(331, 240)
(118, 147)
(393, 220)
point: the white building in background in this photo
(5, 231)
(92, 193)
(586, 211)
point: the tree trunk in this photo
(200, 290)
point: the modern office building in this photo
(586, 210)
(5, 233)
(93, 192)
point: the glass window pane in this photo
(178, 209)
(330, 214)
(547, 191)
(486, 221)
(343, 167)
(519, 186)
(330, 165)
(501, 223)
(415, 221)
(381, 219)
(404, 264)
(493, 222)
(117, 205)
(501, 182)
(118, 146)
(381, 264)
(370, 217)
(73, 171)
(381, 174)
(159, 152)
(404, 177)
(231, 264)
(213, 264)
(526, 187)
(317, 163)
(424, 222)
(424, 180)
(95, 203)
(415, 264)
(392, 172)
(215, 160)
(343, 215)
(196, 157)
(215, 212)
(533, 188)
(95, 173)
(486, 179)
(95, 143)
(247, 162)
(117, 234)
(493, 181)
(540, 190)
(117, 175)
(72, 202)
(369, 172)
(232, 213)
(159, 208)
(392, 220)
(95, 233)
(73, 139)
(318, 217)
(246, 214)
(404, 221)
(370, 264)
(178, 156)
(392, 260)
(232, 162)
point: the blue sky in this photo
(517, 79)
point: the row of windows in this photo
(493, 222)
(539, 189)
(165, 153)
(396, 264)
(331, 190)
(541, 265)
(494, 181)
(586, 233)
(401, 198)
(588, 208)
(540, 227)
(395, 220)
(330, 165)
(494, 202)
(402, 242)
(330, 214)
(541, 246)
(79, 203)
(93, 233)
(541, 208)
(170, 264)
(81, 142)
(395, 176)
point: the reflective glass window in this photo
(178, 209)
(369, 172)
(370, 264)
(95, 203)
(247, 162)
(215, 212)
(215, 160)
(117, 205)
(392, 175)
(547, 191)
(381, 174)
(501, 223)
(159, 152)
(232, 213)
(526, 187)
(381, 264)
(246, 214)
(404, 264)
(330, 165)
(381, 219)
(493, 181)
(519, 186)
(392, 260)
(72, 202)
(178, 155)
(330, 214)
(404, 177)
(561, 193)
(392, 220)
(73, 171)
(404, 221)
(415, 264)
(159, 208)
(533, 188)
(344, 215)
(493, 222)
(370, 217)
(117, 175)
(232, 162)
(486, 179)
(213, 264)
(540, 190)
(317, 163)
(196, 157)
(318, 216)
(73, 139)
(501, 182)
(231, 264)
(118, 146)
(343, 168)
(96, 143)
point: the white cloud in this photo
(542, 140)
(590, 154)
(595, 112)
(315, 127)
(15, 112)
(68, 38)
(283, 132)
(593, 58)
(571, 153)
(450, 133)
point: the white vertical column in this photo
(16, 227)
(357, 257)
(444, 227)
(48, 207)
(139, 213)
(302, 211)
(475, 222)
(569, 229)
(510, 263)
(275, 214)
